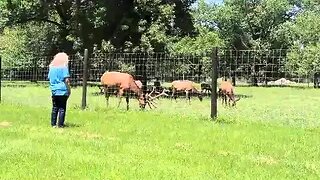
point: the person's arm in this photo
(67, 80)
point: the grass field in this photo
(272, 134)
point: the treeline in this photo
(40, 28)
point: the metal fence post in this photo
(144, 72)
(85, 79)
(214, 77)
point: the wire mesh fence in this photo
(159, 70)
(264, 68)
(153, 71)
(151, 68)
(35, 69)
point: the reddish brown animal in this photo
(184, 86)
(124, 84)
(226, 91)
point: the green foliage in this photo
(127, 67)
(204, 14)
(306, 27)
(311, 5)
(13, 45)
(304, 61)
(19, 45)
(302, 36)
(125, 24)
(249, 24)
(205, 39)
(155, 38)
(203, 42)
(182, 68)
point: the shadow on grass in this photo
(243, 96)
(224, 120)
(76, 107)
(71, 125)
(220, 120)
(14, 85)
(237, 95)
(97, 93)
(24, 84)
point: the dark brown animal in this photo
(206, 88)
(184, 86)
(149, 94)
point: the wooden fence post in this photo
(214, 77)
(84, 80)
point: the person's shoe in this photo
(54, 126)
(61, 126)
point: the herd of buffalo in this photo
(122, 84)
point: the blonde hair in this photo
(60, 60)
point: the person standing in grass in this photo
(59, 79)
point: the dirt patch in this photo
(5, 124)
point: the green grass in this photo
(272, 134)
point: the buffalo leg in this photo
(120, 93)
(106, 95)
(188, 96)
(174, 95)
(224, 99)
(127, 101)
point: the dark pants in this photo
(59, 104)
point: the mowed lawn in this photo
(272, 134)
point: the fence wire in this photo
(263, 68)
(246, 67)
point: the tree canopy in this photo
(182, 26)
(126, 24)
